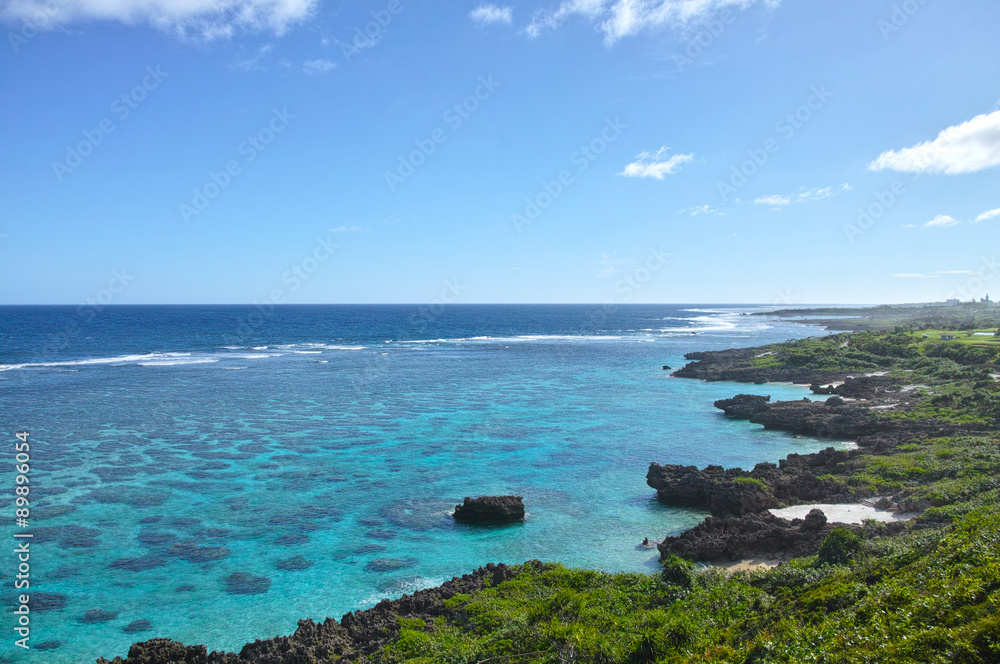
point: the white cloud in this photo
(486, 14)
(623, 18)
(988, 215)
(205, 19)
(700, 209)
(550, 20)
(966, 148)
(910, 275)
(955, 272)
(942, 221)
(347, 229)
(319, 66)
(774, 201)
(817, 194)
(655, 164)
(804, 196)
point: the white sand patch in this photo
(752, 564)
(841, 513)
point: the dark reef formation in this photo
(491, 509)
(830, 419)
(731, 365)
(754, 535)
(355, 638)
(740, 525)
(798, 479)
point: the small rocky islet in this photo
(491, 510)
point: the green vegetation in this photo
(964, 316)
(929, 595)
(751, 482)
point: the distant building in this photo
(947, 337)
(953, 302)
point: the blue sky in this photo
(528, 151)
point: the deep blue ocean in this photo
(320, 449)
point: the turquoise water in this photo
(322, 451)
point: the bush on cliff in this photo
(840, 547)
(677, 571)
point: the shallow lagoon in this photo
(317, 460)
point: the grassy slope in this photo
(965, 316)
(930, 595)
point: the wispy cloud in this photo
(699, 210)
(610, 263)
(988, 215)
(201, 19)
(966, 148)
(655, 164)
(956, 272)
(318, 66)
(347, 229)
(622, 18)
(487, 14)
(775, 201)
(804, 196)
(942, 221)
(255, 61)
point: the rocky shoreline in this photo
(358, 635)
(740, 525)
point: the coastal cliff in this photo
(356, 638)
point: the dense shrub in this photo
(840, 547)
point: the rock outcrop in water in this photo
(751, 536)
(737, 365)
(796, 480)
(491, 509)
(830, 419)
